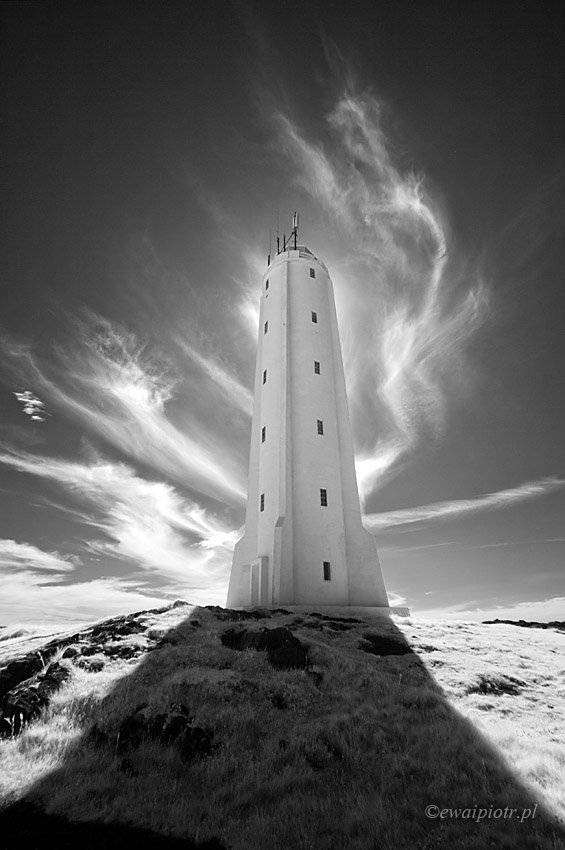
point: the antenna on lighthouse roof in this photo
(293, 233)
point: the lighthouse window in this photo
(320, 426)
(262, 501)
(327, 572)
(315, 318)
(324, 498)
(267, 284)
(317, 367)
(263, 433)
(312, 273)
(266, 327)
(264, 376)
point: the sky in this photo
(151, 152)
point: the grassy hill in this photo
(190, 727)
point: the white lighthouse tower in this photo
(304, 544)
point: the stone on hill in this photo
(284, 650)
(25, 702)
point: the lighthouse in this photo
(304, 545)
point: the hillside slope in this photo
(214, 728)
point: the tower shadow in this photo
(203, 745)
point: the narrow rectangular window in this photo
(267, 284)
(324, 498)
(314, 317)
(264, 376)
(312, 273)
(263, 433)
(262, 501)
(327, 571)
(320, 426)
(317, 367)
(266, 327)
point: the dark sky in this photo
(149, 151)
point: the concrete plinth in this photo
(337, 610)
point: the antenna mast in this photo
(293, 238)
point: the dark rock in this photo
(315, 760)
(91, 665)
(70, 652)
(497, 685)
(20, 671)
(195, 743)
(279, 701)
(129, 629)
(238, 639)
(155, 726)
(92, 649)
(123, 651)
(283, 745)
(339, 626)
(195, 624)
(528, 624)
(24, 825)
(382, 645)
(132, 730)
(172, 727)
(284, 650)
(25, 702)
(271, 639)
(291, 654)
(334, 618)
(224, 614)
(126, 766)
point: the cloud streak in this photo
(32, 406)
(18, 556)
(25, 599)
(110, 383)
(441, 511)
(147, 521)
(406, 355)
(230, 388)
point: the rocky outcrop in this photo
(378, 644)
(27, 683)
(25, 702)
(284, 650)
(529, 624)
(174, 727)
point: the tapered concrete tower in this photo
(304, 543)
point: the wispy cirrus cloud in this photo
(147, 524)
(32, 406)
(222, 379)
(25, 598)
(440, 511)
(420, 306)
(107, 380)
(18, 556)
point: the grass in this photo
(346, 754)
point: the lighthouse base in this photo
(380, 612)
